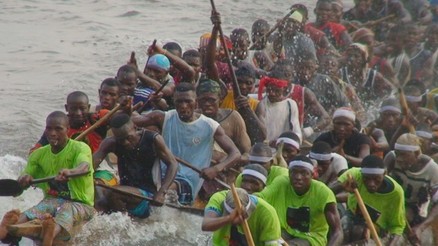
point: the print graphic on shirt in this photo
(299, 218)
(196, 140)
(416, 189)
(59, 189)
(374, 213)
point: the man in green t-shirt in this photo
(67, 203)
(262, 154)
(305, 207)
(222, 218)
(383, 198)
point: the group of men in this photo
(182, 123)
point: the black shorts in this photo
(184, 191)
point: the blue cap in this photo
(159, 61)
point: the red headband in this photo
(270, 81)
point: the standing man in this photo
(67, 202)
(190, 136)
(305, 207)
(136, 153)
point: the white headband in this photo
(372, 170)
(414, 98)
(389, 108)
(288, 141)
(424, 134)
(301, 164)
(345, 113)
(405, 147)
(320, 157)
(259, 158)
(254, 173)
(229, 209)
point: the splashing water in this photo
(165, 226)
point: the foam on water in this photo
(166, 226)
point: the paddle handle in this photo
(155, 93)
(245, 225)
(47, 179)
(275, 27)
(366, 216)
(236, 88)
(185, 163)
(405, 109)
(98, 123)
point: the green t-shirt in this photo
(300, 216)
(43, 163)
(263, 222)
(273, 173)
(387, 210)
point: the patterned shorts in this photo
(70, 215)
(107, 177)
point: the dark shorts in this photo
(184, 191)
(143, 209)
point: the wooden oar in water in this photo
(188, 209)
(275, 27)
(11, 187)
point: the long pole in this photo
(366, 215)
(245, 225)
(236, 87)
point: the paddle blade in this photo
(10, 187)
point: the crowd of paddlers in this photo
(327, 128)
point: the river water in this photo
(50, 48)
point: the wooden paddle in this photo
(366, 215)
(98, 123)
(11, 187)
(275, 27)
(255, 133)
(185, 163)
(155, 93)
(192, 210)
(405, 109)
(245, 225)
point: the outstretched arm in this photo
(154, 118)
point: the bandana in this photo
(159, 61)
(297, 16)
(344, 112)
(265, 81)
(362, 33)
(290, 141)
(259, 158)
(208, 86)
(362, 47)
(405, 147)
(372, 170)
(255, 174)
(300, 163)
(320, 156)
